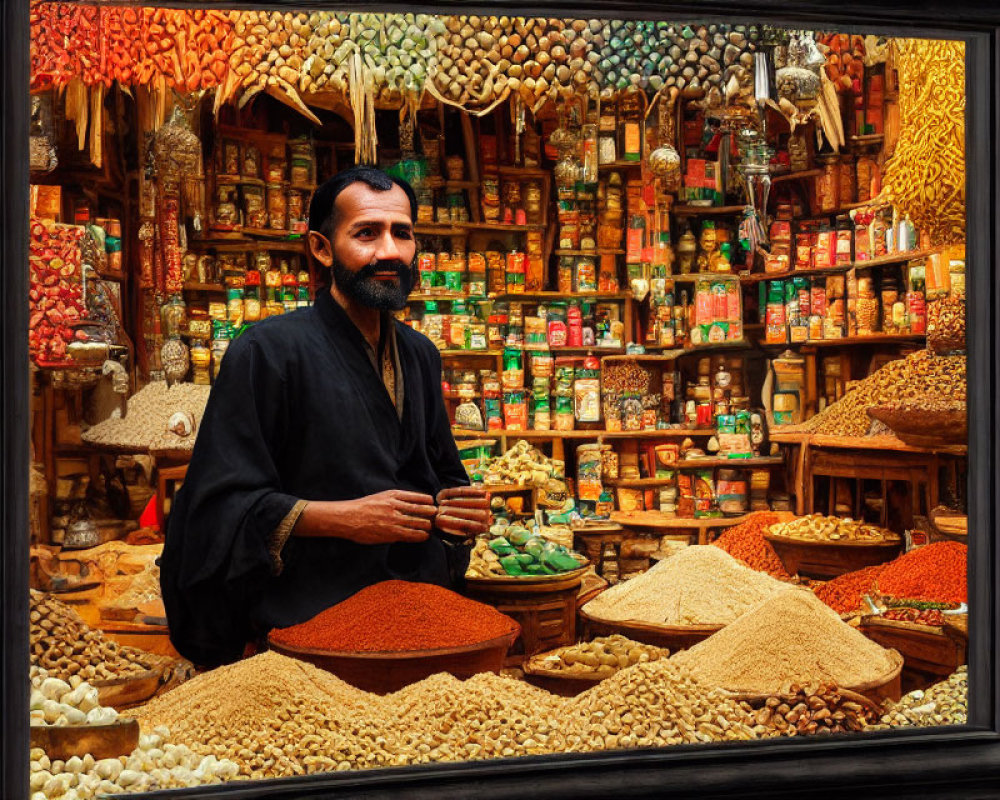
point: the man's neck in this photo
(366, 319)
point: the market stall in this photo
(698, 293)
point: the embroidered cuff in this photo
(280, 535)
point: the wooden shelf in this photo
(839, 269)
(896, 258)
(796, 176)
(609, 165)
(247, 245)
(883, 442)
(691, 211)
(666, 433)
(851, 341)
(601, 251)
(437, 229)
(655, 519)
(547, 295)
(693, 277)
(481, 353)
(735, 463)
(499, 227)
(526, 172)
(191, 286)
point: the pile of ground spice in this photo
(398, 616)
(791, 637)
(936, 572)
(845, 593)
(700, 585)
(746, 543)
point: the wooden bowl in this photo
(830, 559)
(118, 738)
(121, 693)
(671, 637)
(885, 687)
(503, 581)
(925, 648)
(565, 683)
(385, 672)
(922, 427)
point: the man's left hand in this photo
(463, 511)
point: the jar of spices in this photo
(516, 269)
(230, 158)
(277, 207)
(533, 202)
(254, 209)
(302, 162)
(276, 164)
(224, 213)
(828, 184)
(586, 275)
(250, 167)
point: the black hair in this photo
(322, 208)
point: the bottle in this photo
(630, 125)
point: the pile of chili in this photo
(398, 616)
(746, 543)
(844, 593)
(935, 572)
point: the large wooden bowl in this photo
(921, 427)
(830, 559)
(118, 738)
(672, 637)
(384, 672)
(121, 693)
(925, 649)
(565, 683)
(570, 578)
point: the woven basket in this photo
(923, 424)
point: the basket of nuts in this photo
(816, 546)
(567, 671)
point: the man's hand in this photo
(463, 511)
(383, 518)
(393, 516)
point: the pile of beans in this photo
(822, 708)
(149, 410)
(601, 658)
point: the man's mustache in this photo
(401, 268)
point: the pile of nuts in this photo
(58, 702)
(822, 708)
(523, 465)
(155, 764)
(625, 377)
(920, 377)
(945, 703)
(600, 658)
(276, 716)
(818, 528)
(64, 645)
(398, 50)
(477, 56)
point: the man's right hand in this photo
(391, 516)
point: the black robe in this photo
(298, 411)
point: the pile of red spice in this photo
(398, 616)
(935, 573)
(745, 542)
(844, 594)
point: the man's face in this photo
(372, 250)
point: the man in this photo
(325, 461)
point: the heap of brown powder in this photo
(791, 637)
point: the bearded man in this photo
(325, 461)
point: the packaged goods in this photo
(701, 585)
(513, 550)
(398, 616)
(789, 637)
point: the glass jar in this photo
(533, 202)
(828, 184)
(173, 317)
(277, 207)
(254, 209)
(225, 213)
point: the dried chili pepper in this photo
(746, 542)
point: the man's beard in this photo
(363, 287)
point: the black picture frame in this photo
(944, 762)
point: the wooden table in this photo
(876, 458)
(656, 522)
